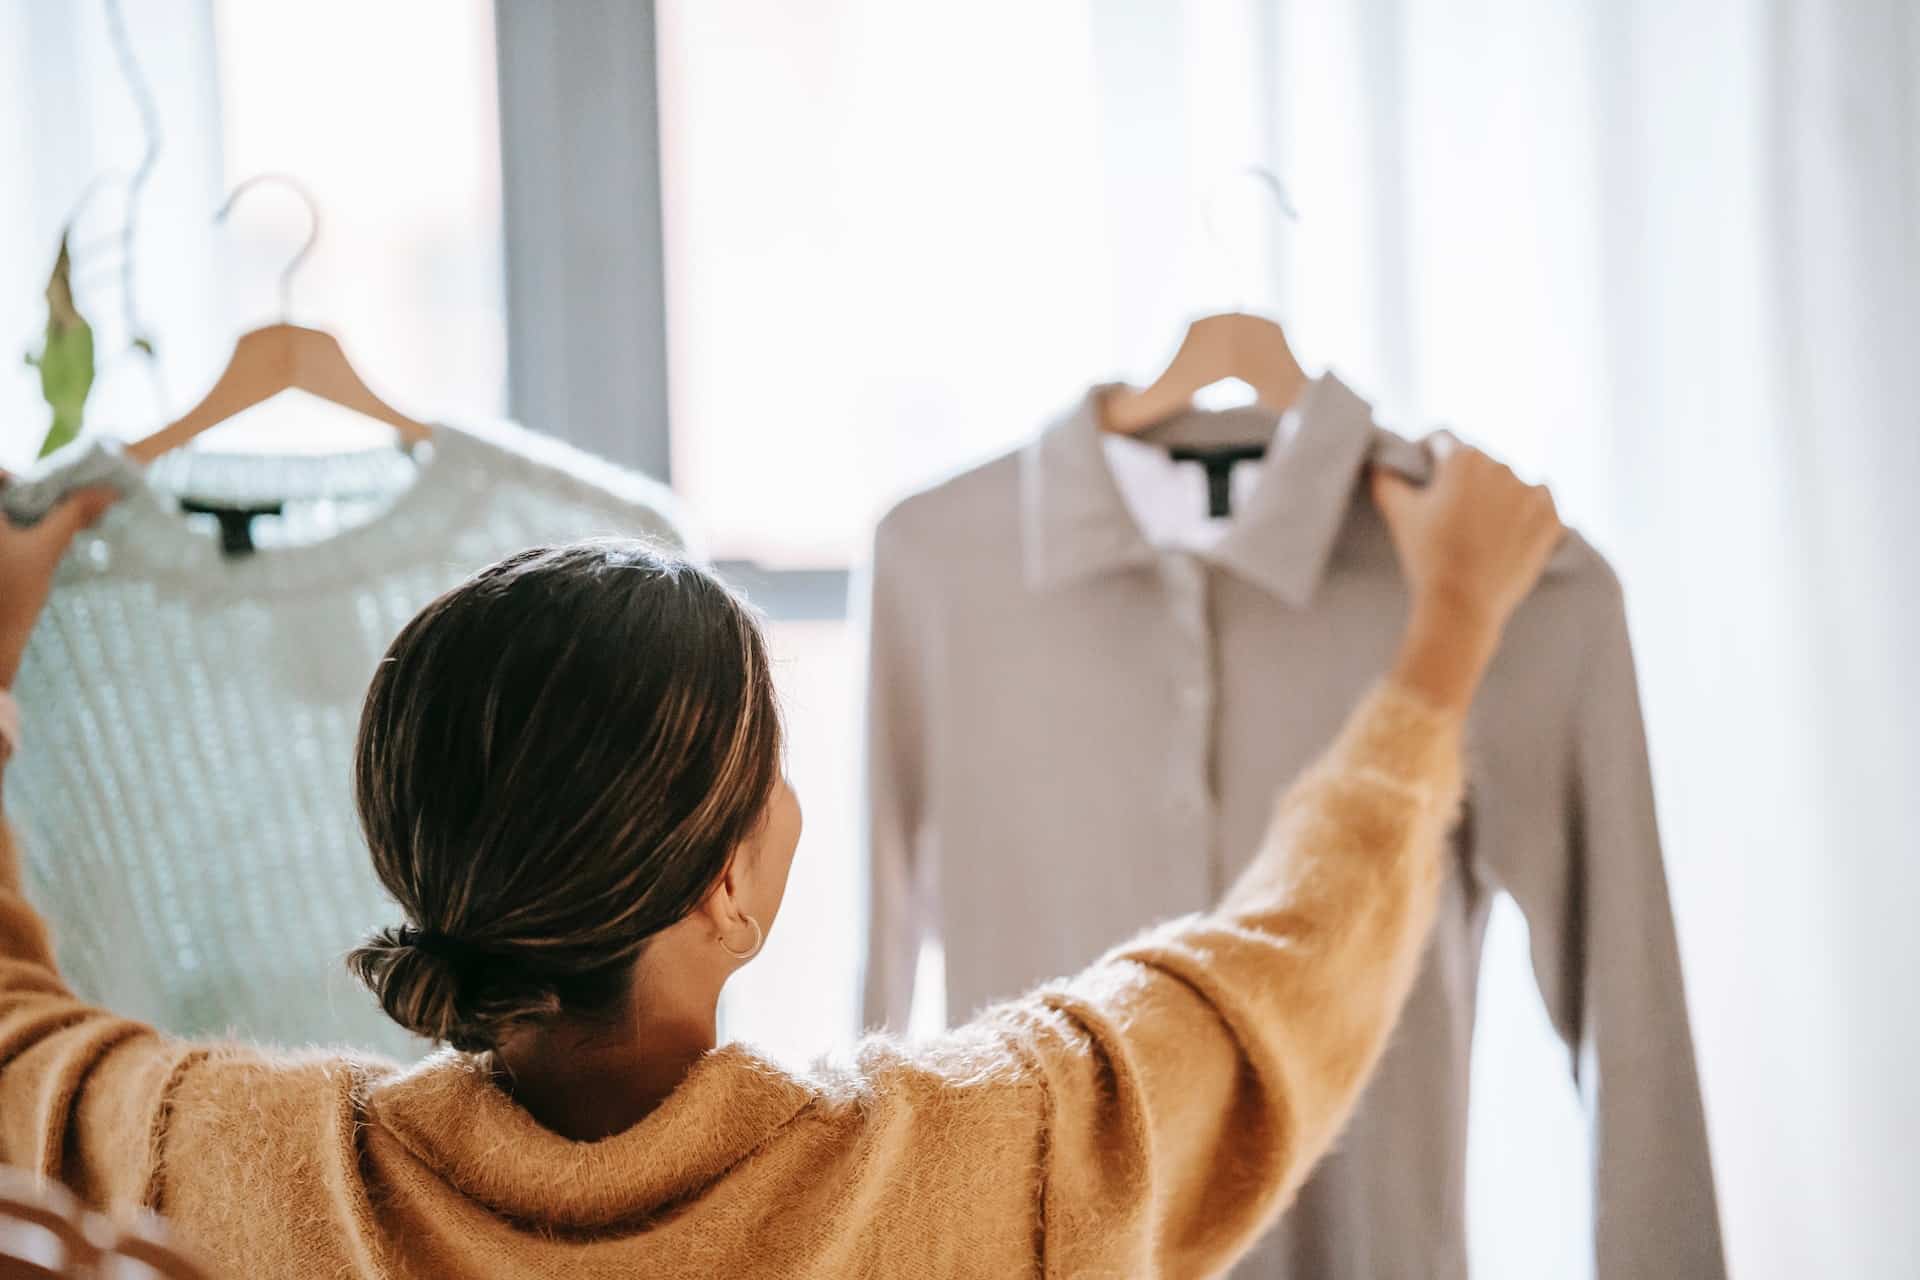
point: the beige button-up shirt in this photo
(1073, 734)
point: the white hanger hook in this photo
(1269, 183)
(306, 247)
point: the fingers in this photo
(1391, 492)
(78, 510)
(1456, 458)
(86, 506)
(1462, 466)
(1552, 529)
(1549, 509)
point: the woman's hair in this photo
(556, 760)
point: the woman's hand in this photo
(28, 558)
(1472, 543)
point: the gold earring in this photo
(759, 939)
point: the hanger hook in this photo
(313, 228)
(1269, 182)
(94, 186)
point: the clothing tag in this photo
(236, 522)
(1219, 461)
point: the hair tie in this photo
(440, 946)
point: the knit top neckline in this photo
(404, 511)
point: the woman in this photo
(569, 775)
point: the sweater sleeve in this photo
(81, 1090)
(1196, 1074)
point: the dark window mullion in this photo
(790, 595)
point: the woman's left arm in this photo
(81, 1089)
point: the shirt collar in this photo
(1171, 501)
(1076, 524)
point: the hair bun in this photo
(416, 977)
(447, 990)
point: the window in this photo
(394, 137)
(876, 273)
(397, 139)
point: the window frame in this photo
(586, 275)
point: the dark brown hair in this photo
(556, 760)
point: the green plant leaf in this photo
(66, 356)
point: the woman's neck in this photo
(587, 1082)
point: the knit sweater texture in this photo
(185, 809)
(1148, 1117)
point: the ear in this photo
(721, 906)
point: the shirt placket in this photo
(1191, 802)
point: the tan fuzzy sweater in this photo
(1146, 1118)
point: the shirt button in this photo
(1194, 697)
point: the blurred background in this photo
(800, 258)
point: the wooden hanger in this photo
(280, 357)
(1233, 344)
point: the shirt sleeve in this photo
(1655, 1211)
(81, 1089)
(1574, 840)
(1196, 1074)
(894, 822)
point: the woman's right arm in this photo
(82, 1090)
(1196, 1074)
